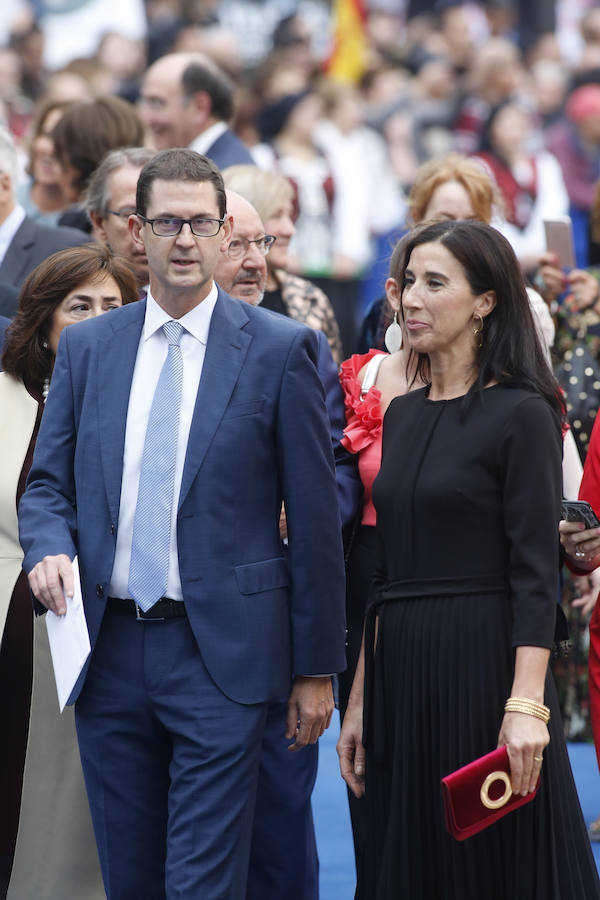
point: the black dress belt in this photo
(165, 608)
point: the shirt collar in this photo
(204, 141)
(196, 322)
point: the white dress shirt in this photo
(204, 141)
(9, 228)
(152, 352)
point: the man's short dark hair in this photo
(179, 165)
(219, 87)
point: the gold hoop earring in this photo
(478, 330)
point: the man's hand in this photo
(310, 708)
(51, 580)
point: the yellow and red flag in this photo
(348, 59)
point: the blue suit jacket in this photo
(259, 435)
(229, 150)
(349, 485)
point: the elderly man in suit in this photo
(203, 414)
(283, 857)
(109, 202)
(186, 100)
(24, 243)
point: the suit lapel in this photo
(16, 258)
(226, 351)
(116, 362)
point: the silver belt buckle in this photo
(139, 615)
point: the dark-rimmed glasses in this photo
(170, 226)
(238, 247)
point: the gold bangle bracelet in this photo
(530, 704)
(528, 707)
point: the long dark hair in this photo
(511, 352)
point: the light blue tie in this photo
(149, 566)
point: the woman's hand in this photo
(550, 280)
(351, 751)
(525, 738)
(581, 544)
(588, 588)
(584, 287)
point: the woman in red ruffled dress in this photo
(370, 382)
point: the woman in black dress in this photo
(464, 600)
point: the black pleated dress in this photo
(468, 501)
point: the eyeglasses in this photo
(170, 226)
(238, 247)
(122, 213)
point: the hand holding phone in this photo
(559, 240)
(579, 511)
(581, 543)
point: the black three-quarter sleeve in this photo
(530, 459)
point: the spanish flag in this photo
(348, 58)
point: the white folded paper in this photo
(69, 641)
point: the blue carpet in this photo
(332, 822)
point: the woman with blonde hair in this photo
(272, 195)
(454, 187)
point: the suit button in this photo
(99, 590)
(112, 527)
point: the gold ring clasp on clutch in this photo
(485, 788)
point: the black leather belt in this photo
(165, 608)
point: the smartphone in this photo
(579, 511)
(559, 240)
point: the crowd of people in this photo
(308, 442)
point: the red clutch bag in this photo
(479, 794)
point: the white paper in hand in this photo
(69, 641)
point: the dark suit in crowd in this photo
(9, 300)
(229, 150)
(31, 245)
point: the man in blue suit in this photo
(171, 436)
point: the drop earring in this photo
(393, 336)
(478, 330)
